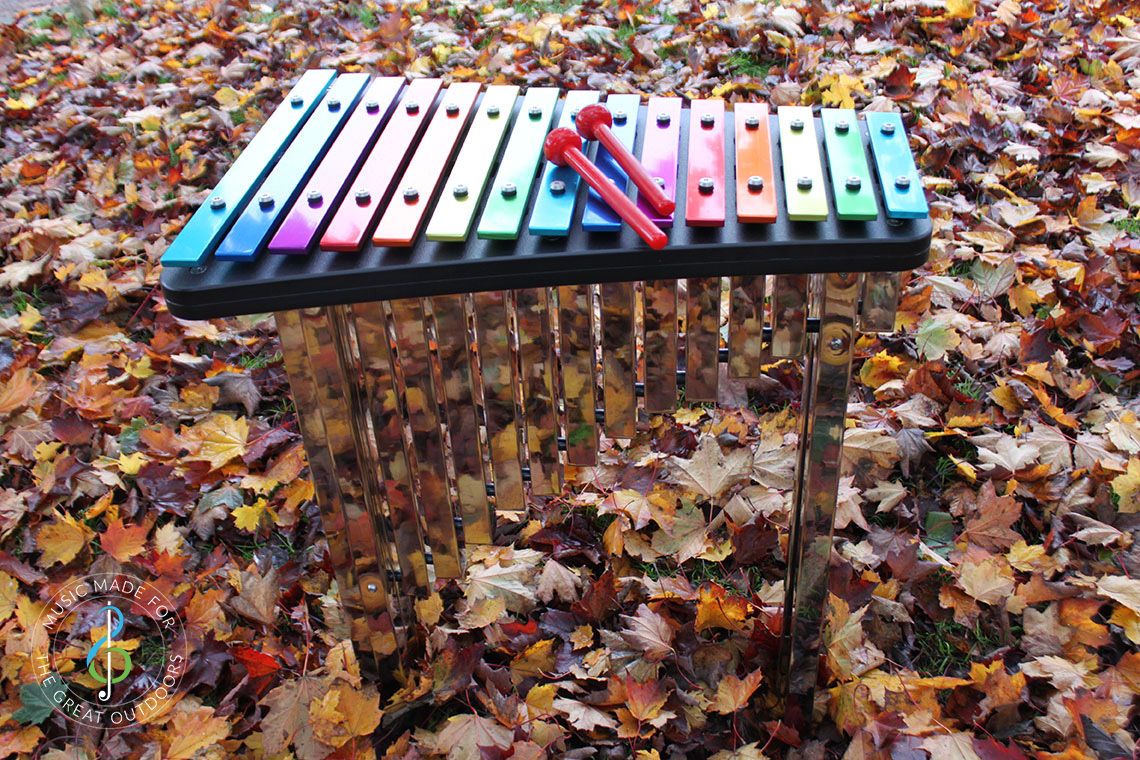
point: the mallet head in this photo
(590, 118)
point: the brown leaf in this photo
(650, 633)
(710, 472)
(989, 528)
(257, 599)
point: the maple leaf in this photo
(121, 542)
(990, 527)
(645, 698)
(649, 632)
(286, 722)
(1122, 590)
(558, 581)
(985, 578)
(716, 609)
(733, 693)
(954, 746)
(849, 654)
(218, 439)
(62, 540)
(18, 389)
(466, 735)
(687, 538)
(935, 337)
(257, 596)
(584, 717)
(510, 582)
(194, 728)
(1127, 488)
(249, 517)
(710, 472)
(633, 504)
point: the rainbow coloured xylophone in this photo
(434, 258)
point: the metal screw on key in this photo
(593, 123)
(564, 147)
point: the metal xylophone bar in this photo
(433, 395)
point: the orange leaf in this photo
(733, 693)
(122, 542)
(19, 389)
(644, 700)
(715, 609)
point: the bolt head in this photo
(659, 181)
(835, 344)
(887, 129)
(493, 112)
(574, 114)
(620, 117)
(411, 195)
(459, 191)
(372, 587)
(217, 203)
(372, 106)
(755, 183)
(902, 182)
(797, 125)
(535, 112)
(296, 101)
(509, 190)
(707, 121)
(853, 183)
(662, 119)
(412, 107)
(363, 197)
(752, 122)
(452, 109)
(804, 183)
(557, 187)
(334, 105)
(706, 185)
(265, 200)
(314, 197)
(842, 126)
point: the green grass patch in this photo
(743, 63)
(1129, 225)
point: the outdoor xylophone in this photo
(434, 278)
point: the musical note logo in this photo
(114, 628)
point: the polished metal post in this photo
(827, 370)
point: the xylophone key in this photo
(597, 123)
(702, 339)
(618, 359)
(427, 439)
(803, 173)
(324, 190)
(510, 192)
(363, 201)
(789, 315)
(851, 183)
(660, 345)
(492, 320)
(576, 326)
(659, 152)
(755, 175)
(902, 187)
(457, 204)
(388, 429)
(401, 220)
(244, 240)
(704, 188)
(598, 216)
(462, 423)
(557, 193)
(214, 217)
(536, 354)
(746, 325)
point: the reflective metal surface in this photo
(880, 301)
(536, 352)
(383, 405)
(745, 326)
(821, 441)
(617, 359)
(660, 345)
(702, 339)
(789, 314)
(453, 344)
(576, 326)
(492, 321)
(427, 438)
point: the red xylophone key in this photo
(593, 123)
(564, 147)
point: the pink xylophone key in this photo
(351, 222)
(659, 153)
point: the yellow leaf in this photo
(429, 610)
(960, 8)
(837, 90)
(228, 98)
(62, 540)
(881, 368)
(1127, 619)
(193, 730)
(1127, 488)
(9, 592)
(541, 699)
(219, 438)
(19, 389)
(130, 464)
(248, 517)
(29, 318)
(733, 693)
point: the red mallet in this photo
(564, 147)
(594, 122)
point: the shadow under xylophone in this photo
(438, 325)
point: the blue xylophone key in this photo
(275, 195)
(902, 187)
(599, 217)
(214, 217)
(558, 190)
